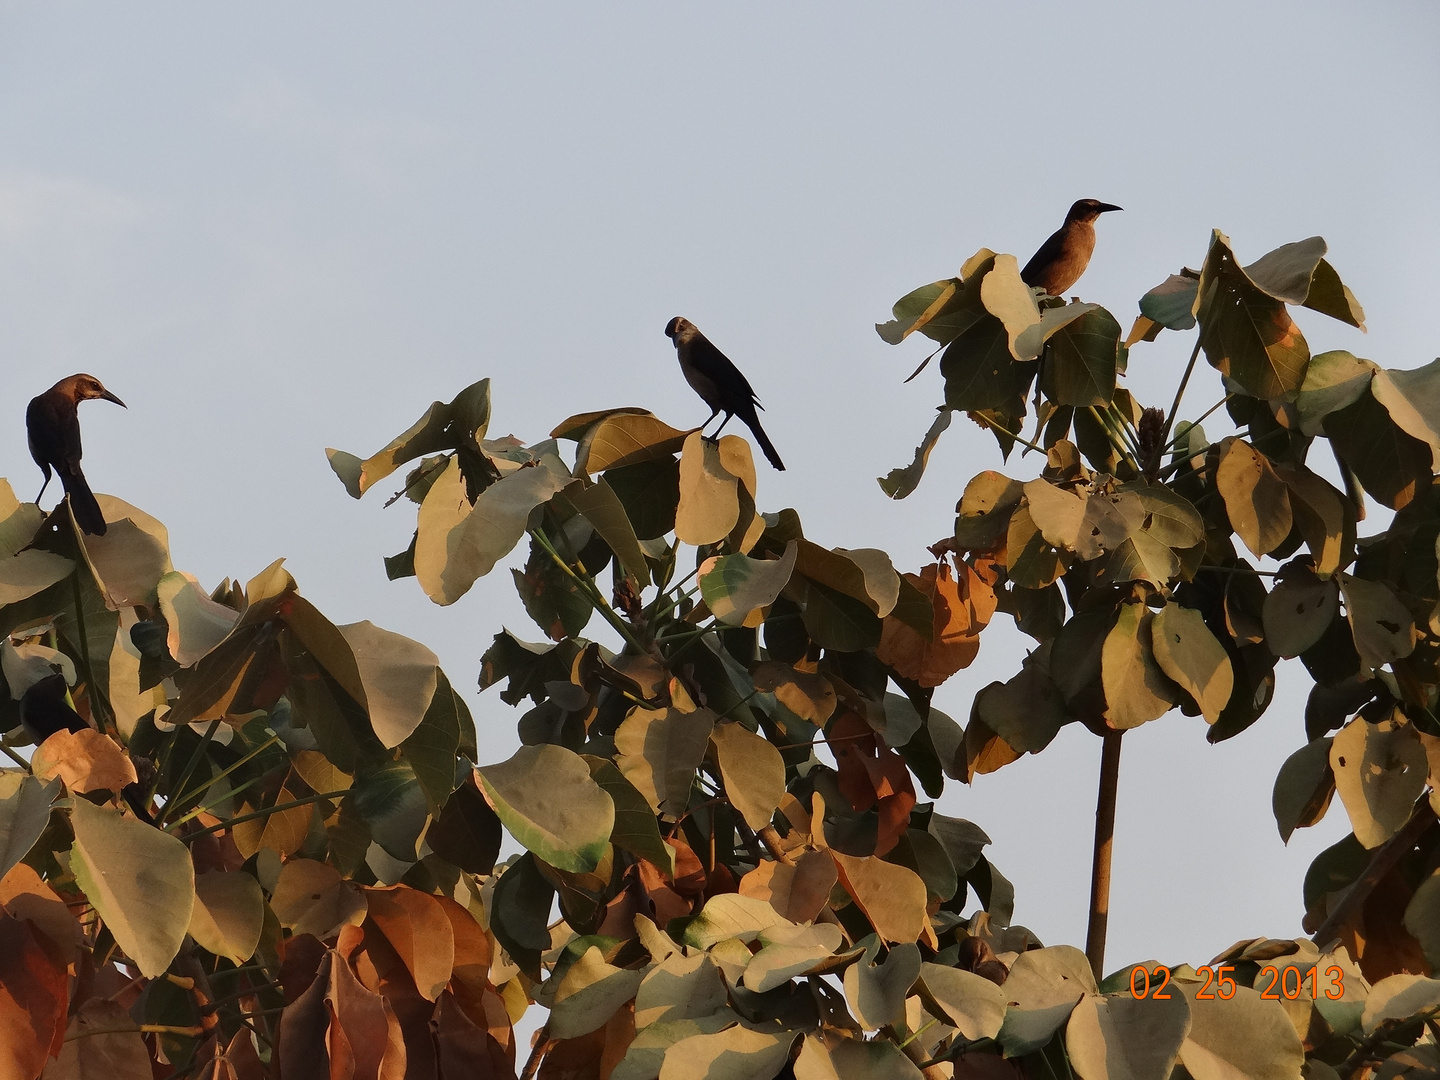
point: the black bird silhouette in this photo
(1065, 255)
(53, 423)
(719, 383)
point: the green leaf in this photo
(140, 879)
(1382, 626)
(1120, 1037)
(971, 1003)
(1333, 381)
(876, 992)
(1031, 562)
(753, 771)
(854, 1059)
(1170, 518)
(1324, 517)
(659, 752)
(679, 987)
(1171, 304)
(1297, 613)
(737, 587)
(229, 914)
(636, 829)
(1044, 987)
(942, 310)
(1187, 651)
(1244, 1036)
(590, 992)
(24, 813)
(1303, 788)
(980, 372)
(898, 483)
(520, 914)
(839, 622)
(788, 951)
(400, 677)
(984, 510)
(546, 798)
(606, 512)
(1246, 333)
(1082, 359)
(1256, 499)
(467, 833)
(1379, 772)
(1298, 274)
(1413, 400)
(1422, 918)
(30, 572)
(1027, 711)
(432, 747)
(730, 915)
(552, 597)
(864, 574)
(736, 1053)
(1137, 689)
(1391, 464)
(458, 543)
(462, 422)
(649, 491)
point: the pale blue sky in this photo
(273, 227)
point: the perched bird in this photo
(1063, 258)
(53, 424)
(718, 382)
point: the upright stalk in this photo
(1104, 844)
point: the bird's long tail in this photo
(82, 503)
(753, 423)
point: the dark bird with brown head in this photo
(53, 423)
(719, 383)
(1063, 258)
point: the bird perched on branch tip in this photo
(53, 425)
(719, 383)
(1065, 255)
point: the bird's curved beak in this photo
(1105, 208)
(108, 396)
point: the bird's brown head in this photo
(1089, 210)
(679, 328)
(84, 387)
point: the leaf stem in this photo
(13, 756)
(588, 588)
(219, 826)
(196, 811)
(181, 800)
(194, 760)
(1179, 393)
(985, 421)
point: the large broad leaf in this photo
(1043, 988)
(229, 914)
(736, 1053)
(1379, 772)
(140, 879)
(1187, 651)
(1333, 381)
(1383, 628)
(1391, 464)
(1298, 274)
(195, 623)
(311, 898)
(1120, 1037)
(854, 1059)
(1137, 689)
(1244, 1036)
(1303, 788)
(589, 993)
(736, 587)
(788, 951)
(1322, 515)
(971, 1003)
(1297, 612)
(132, 556)
(980, 372)
(753, 771)
(876, 993)
(620, 438)
(710, 478)
(1010, 300)
(730, 915)
(941, 310)
(1082, 360)
(636, 829)
(892, 897)
(799, 892)
(984, 510)
(659, 751)
(1247, 333)
(679, 987)
(1171, 304)
(1413, 400)
(1256, 499)
(457, 543)
(444, 426)
(30, 572)
(419, 931)
(864, 574)
(547, 799)
(399, 675)
(24, 813)
(603, 509)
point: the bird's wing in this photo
(53, 426)
(1049, 251)
(718, 368)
